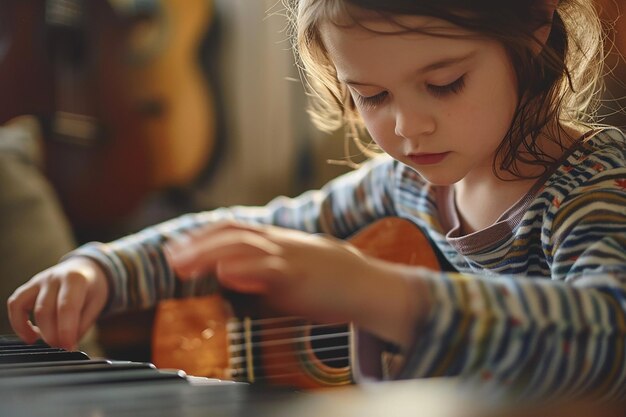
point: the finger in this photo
(91, 311)
(45, 312)
(201, 255)
(210, 247)
(20, 305)
(254, 275)
(225, 226)
(180, 243)
(70, 301)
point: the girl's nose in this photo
(413, 122)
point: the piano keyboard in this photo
(37, 380)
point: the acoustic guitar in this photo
(238, 338)
(133, 112)
(168, 86)
(119, 89)
(96, 149)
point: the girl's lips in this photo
(428, 158)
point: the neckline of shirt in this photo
(502, 229)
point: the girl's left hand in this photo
(301, 273)
(321, 278)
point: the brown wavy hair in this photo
(561, 84)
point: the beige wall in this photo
(265, 107)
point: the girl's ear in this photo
(546, 9)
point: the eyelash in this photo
(371, 101)
(454, 87)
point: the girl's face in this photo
(440, 105)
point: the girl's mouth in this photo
(428, 158)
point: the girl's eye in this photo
(371, 101)
(452, 88)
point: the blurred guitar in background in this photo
(117, 84)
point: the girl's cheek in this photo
(381, 129)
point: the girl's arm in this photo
(139, 274)
(565, 335)
(134, 272)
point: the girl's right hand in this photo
(65, 301)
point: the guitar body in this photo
(170, 91)
(118, 86)
(241, 339)
(96, 146)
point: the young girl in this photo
(481, 109)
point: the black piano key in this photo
(20, 365)
(39, 380)
(91, 378)
(85, 366)
(42, 357)
(28, 349)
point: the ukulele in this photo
(238, 338)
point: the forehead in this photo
(355, 25)
(376, 21)
(374, 42)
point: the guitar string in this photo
(243, 370)
(234, 349)
(278, 376)
(278, 330)
(270, 320)
(239, 348)
(239, 359)
(287, 363)
(237, 323)
(279, 342)
(234, 325)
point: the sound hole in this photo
(331, 345)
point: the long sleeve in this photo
(564, 335)
(139, 274)
(536, 335)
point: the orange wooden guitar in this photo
(240, 340)
(167, 85)
(119, 88)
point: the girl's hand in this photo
(317, 277)
(65, 301)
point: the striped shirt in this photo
(538, 299)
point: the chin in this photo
(442, 178)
